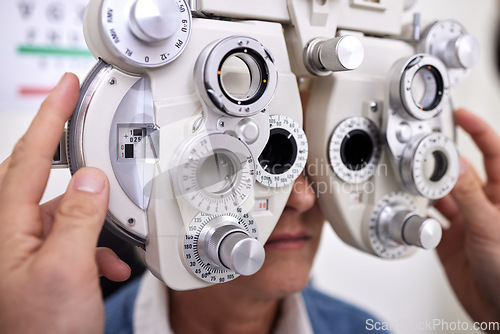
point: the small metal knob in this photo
(343, 53)
(461, 52)
(154, 20)
(247, 130)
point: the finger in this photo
(4, 166)
(48, 212)
(489, 143)
(79, 218)
(477, 210)
(31, 160)
(448, 208)
(110, 265)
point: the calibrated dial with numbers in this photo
(285, 155)
(355, 149)
(203, 257)
(450, 41)
(430, 166)
(379, 238)
(215, 173)
(146, 33)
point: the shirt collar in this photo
(151, 311)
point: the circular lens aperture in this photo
(280, 152)
(239, 77)
(356, 149)
(427, 88)
(218, 173)
(435, 166)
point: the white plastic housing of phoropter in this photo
(142, 123)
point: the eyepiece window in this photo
(280, 153)
(435, 166)
(218, 173)
(427, 88)
(243, 76)
(356, 150)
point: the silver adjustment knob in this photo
(406, 227)
(229, 246)
(154, 20)
(461, 52)
(241, 253)
(344, 53)
(247, 130)
(422, 232)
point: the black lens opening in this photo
(356, 150)
(280, 153)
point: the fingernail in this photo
(89, 180)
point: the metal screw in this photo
(222, 124)
(131, 221)
(112, 81)
(374, 106)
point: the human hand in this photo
(470, 248)
(49, 265)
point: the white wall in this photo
(411, 290)
(415, 290)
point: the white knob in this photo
(228, 246)
(422, 232)
(399, 225)
(343, 53)
(241, 253)
(154, 20)
(461, 52)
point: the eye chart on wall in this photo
(41, 40)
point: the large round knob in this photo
(406, 227)
(421, 232)
(154, 20)
(343, 53)
(241, 253)
(461, 52)
(229, 246)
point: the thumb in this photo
(80, 216)
(468, 193)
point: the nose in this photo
(302, 197)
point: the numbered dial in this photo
(430, 166)
(379, 236)
(236, 76)
(215, 173)
(420, 87)
(146, 33)
(285, 154)
(355, 149)
(449, 41)
(217, 249)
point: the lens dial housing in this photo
(380, 240)
(214, 173)
(419, 87)
(285, 155)
(354, 149)
(430, 166)
(214, 83)
(199, 255)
